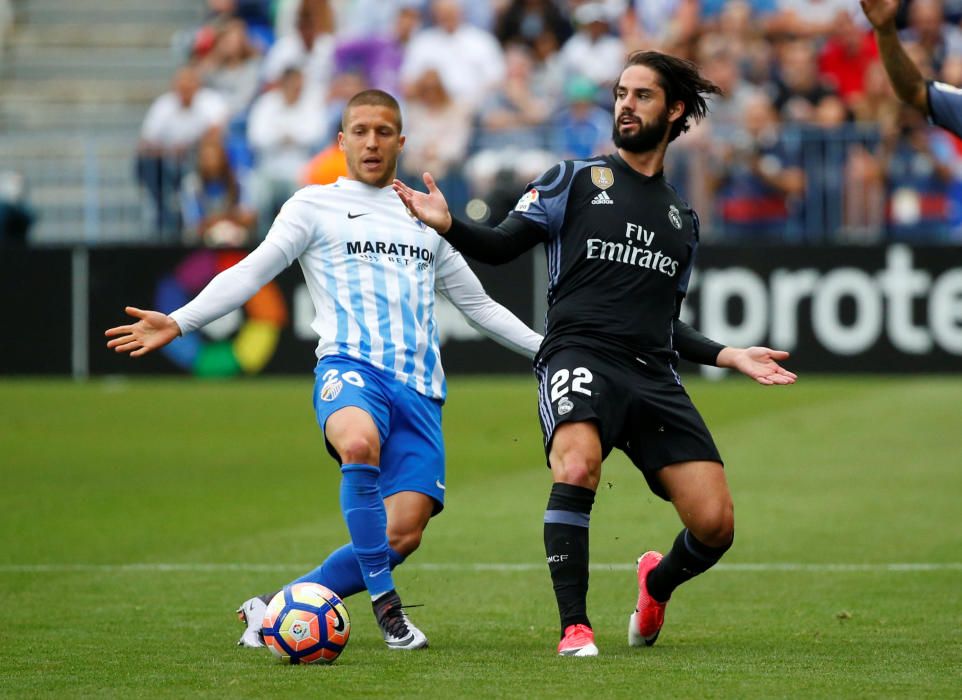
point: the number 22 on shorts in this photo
(580, 378)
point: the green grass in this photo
(230, 482)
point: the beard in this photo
(646, 138)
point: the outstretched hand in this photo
(154, 330)
(430, 208)
(881, 13)
(758, 363)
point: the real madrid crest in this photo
(674, 216)
(602, 177)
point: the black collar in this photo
(622, 164)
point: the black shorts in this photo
(646, 414)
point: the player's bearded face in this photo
(371, 141)
(635, 136)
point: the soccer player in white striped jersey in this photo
(372, 271)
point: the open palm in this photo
(430, 208)
(759, 363)
(154, 330)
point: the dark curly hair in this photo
(682, 82)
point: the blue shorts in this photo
(408, 423)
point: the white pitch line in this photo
(202, 567)
(763, 567)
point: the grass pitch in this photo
(136, 516)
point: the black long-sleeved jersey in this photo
(620, 249)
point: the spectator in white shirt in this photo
(358, 19)
(438, 136)
(439, 131)
(813, 19)
(232, 67)
(311, 46)
(593, 52)
(665, 24)
(174, 124)
(285, 127)
(468, 59)
(178, 118)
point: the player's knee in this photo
(360, 449)
(716, 527)
(405, 542)
(578, 471)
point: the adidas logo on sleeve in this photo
(602, 198)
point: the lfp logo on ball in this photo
(243, 341)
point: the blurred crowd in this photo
(808, 143)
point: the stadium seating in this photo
(76, 80)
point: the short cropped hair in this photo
(376, 98)
(682, 82)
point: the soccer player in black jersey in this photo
(620, 247)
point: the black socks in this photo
(688, 558)
(566, 522)
(566, 547)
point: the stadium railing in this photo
(85, 189)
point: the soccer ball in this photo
(306, 623)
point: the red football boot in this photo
(649, 615)
(579, 640)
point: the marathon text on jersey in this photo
(403, 250)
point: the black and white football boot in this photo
(399, 632)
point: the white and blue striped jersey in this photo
(371, 270)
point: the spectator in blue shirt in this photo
(760, 179)
(582, 129)
(214, 203)
(918, 178)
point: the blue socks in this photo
(366, 520)
(341, 571)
